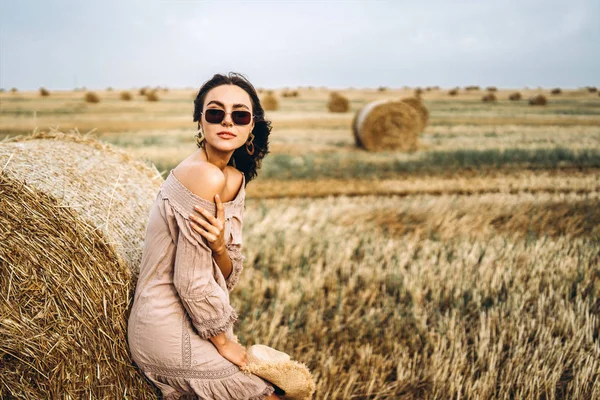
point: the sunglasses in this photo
(216, 116)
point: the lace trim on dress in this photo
(269, 390)
(237, 260)
(191, 373)
(207, 328)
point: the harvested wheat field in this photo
(462, 263)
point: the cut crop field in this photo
(469, 268)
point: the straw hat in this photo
(278, 368)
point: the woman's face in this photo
(226, 135)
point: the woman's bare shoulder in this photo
(201, 178)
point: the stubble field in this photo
(467, 269)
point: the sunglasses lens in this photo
(241, 117)
(214, 115)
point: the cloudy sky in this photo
(62, 44)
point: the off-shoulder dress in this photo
(182, 299)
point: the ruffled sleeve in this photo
(205, 301)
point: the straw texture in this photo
(73, 213)
(417, 104)
(387, 125)
(277, 368)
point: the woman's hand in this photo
(213, 230)
(234, 352)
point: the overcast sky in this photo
(63, 44)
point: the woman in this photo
(180, 329)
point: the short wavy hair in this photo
(244, 162)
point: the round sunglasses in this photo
(216, 116)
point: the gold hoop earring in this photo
(249, 142)
(199, 137)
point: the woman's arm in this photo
(223, 261)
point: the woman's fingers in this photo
(220, 209)
(208, 227)
(209, 236)
(206, 214)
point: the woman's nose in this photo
(227, 121)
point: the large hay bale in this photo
(125, 96)
(516, 96)
(387, 125)
(489, 98)
(269, 102)
(73, 214)
(152, 95)
(91, 97)
(417, 104)
(539, 100)
(44, 92)
(338, 103)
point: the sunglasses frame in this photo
(252, 116)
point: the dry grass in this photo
(428, 297)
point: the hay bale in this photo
(269, 102)
(14, 90)
(472, 88)
(91, 97)
(387, 125)
(73, 214)
(125, 96)
(489, 98)
(418, 92)
(419, 107)
(592, 89)
(516, 96)
(338, 103)
(44, 92)
(491, 88)
(453, 92)
(143, 91)
(152, 96)
(382, 89)
(539, 100)
(556, 91)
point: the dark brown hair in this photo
(246, 163)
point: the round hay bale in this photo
(91, 97)
(516, 96)
(539, 100)
(556, 91)
(471, 88)
(269, 102)
(592, 89)
(143, 91)
(73, 214)
(44, 92)
(338, 103)
(453, 92)
(125, 96)
(152, 96)
(417, 104)
(14, 90)
(489, 98)
(491, 88)
(387, 125)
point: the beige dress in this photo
(182, 299)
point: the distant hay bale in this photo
(556, 91)
(44, 92)
(91, 97)
(269, 101)
(418, 92)
(472, 88)
(152, 95)
(289, 93)
(338, 103)
(453, 92)
(381, 89)
(515, 96)
(417, 104)
(73, 214)
(14, 90)
(491, 88)
(539, 100)
(489, 98)
(125, 96)
(592, 89)
(386, 125)
(109, 89)
(143, 91)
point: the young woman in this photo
(180, 329)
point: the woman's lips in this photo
(226, 135)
